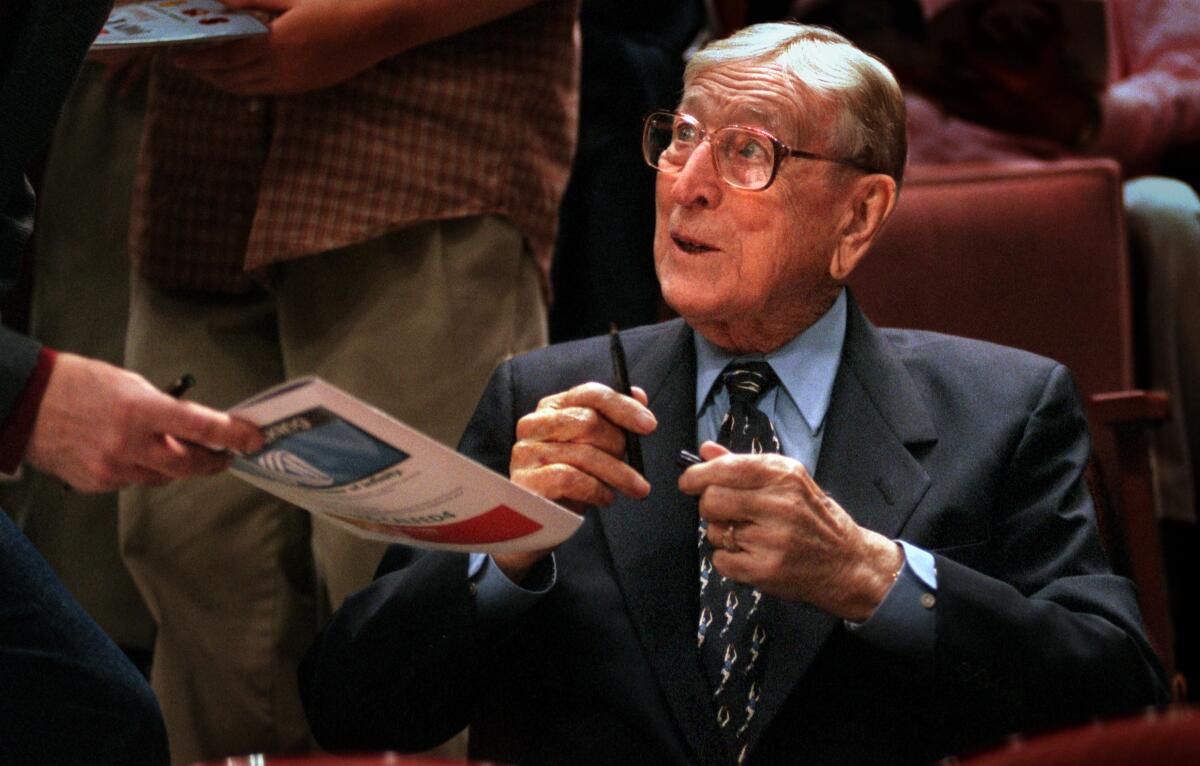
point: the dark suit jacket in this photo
(971, 450)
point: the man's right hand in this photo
(571, 450)
(100, 428)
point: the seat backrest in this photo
(1028, 254)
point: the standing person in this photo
(905, 564)
(68, 693)
(603, 269)
(368, 194)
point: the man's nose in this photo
(697, 183)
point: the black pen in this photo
(633, 447)
(687, 459)
(180, 385)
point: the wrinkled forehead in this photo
(757, 94)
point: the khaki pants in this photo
(1163, 216)
(238, 581)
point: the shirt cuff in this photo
(498, 596)
(905, 621)
(16, 430)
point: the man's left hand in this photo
(789, 538)
(312, 44)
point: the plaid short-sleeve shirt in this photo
(482, 122)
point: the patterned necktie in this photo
(732, 627)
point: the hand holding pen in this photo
(100, 428)
(572, 448)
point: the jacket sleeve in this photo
(18, 357)
(402, 661)
(1043, 633)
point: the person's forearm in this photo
(395, 26)
(1148, 113)
(16, 425)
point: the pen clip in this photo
(180, 385)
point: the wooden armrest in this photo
(1133, 536)
(1117, 407)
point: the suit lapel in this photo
(653, 542)
(867, 468)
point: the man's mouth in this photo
(691, 245)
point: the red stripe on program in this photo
(495, 526)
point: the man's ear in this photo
(871, 200)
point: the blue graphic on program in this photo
(318, 449)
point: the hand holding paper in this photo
(174, 22)
(319, 43)
(100, 428)
(571, 449)
(312, 44)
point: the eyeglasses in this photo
(745, 158)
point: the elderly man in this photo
(915, 573)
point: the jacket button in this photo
(928, 601)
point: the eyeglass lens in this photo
(744, 158)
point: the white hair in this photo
(868, 127)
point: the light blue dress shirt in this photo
(806, 367)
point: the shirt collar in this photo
(806, 365)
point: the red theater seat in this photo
(1169, 737)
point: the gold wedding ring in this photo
(729, 540)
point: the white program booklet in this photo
(174, 22)
(346, 461)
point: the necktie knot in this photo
(745, 428)
(746, 382)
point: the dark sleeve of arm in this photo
(42, 44)
(48, 42)
(18, 357)
(1050, 636)
(19, 401)
(41, 48)
(402, 661)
